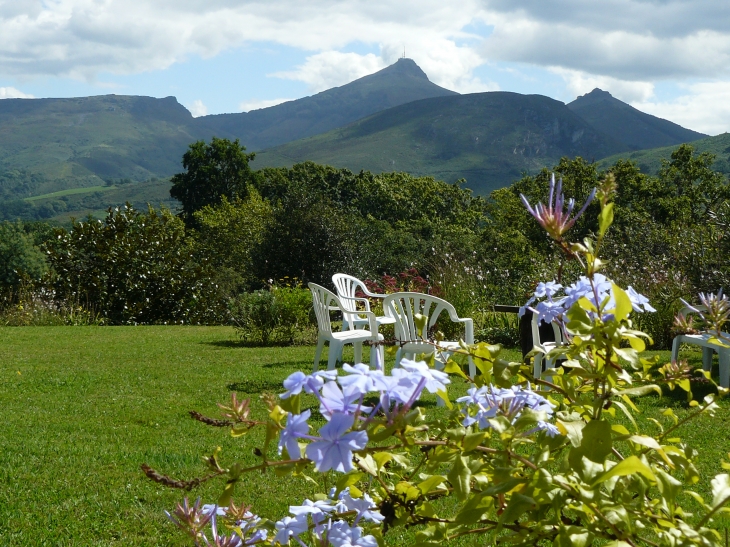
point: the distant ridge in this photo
(626, 124)
(399, 83)
(490, 139)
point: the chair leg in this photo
(398, 357)
(318, 354)
(537, 365)
(707, 358)
(724, 358)
(675, 349)
(358, 352)
(472, 368)
(334, 355)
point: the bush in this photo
(280, 313)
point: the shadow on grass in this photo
(249, 344)
(255, 385)
(700, 389)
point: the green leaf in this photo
(641, 390)
(517, 506)
(623, 308)
(381, 458)
(474, 509)
(571, 429)
(605, 219)
(596, 443)
(420, 321)
(292, 404)
(430, 483)
(348, 480)
(460, 478)
(720, 490)
(473, 440)
(573, 536)
(629, 466)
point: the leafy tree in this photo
(213, 171)
(20, 258)
(132, 268)
(228, 234)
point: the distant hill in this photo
(490, 139)
(628, 125)
(649, 161)
(47, 145)
(397, 84)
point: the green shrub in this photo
(280, 313)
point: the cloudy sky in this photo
(670, 58)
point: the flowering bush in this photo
(507, 463)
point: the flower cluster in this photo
(341, 403)
(247, 528)
(599, 292)
(487, 402)
(555, 217)
(324, 521)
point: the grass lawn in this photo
(84, 407)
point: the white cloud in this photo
(333, 68)
(198, 109)
(256, 104)
(705, 108)
(12, 93)
(580, 83)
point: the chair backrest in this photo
(537, 339)
(325, 301)
(404, 306)
(347, 287)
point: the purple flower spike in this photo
(555, 217)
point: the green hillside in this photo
(649, 161)
(489, 139)
(397, 84)
(624, 123)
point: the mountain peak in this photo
(405, 67)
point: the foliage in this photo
(281, 311)
(227, 237)
(566, 466)
(213, 171)
(20, 258)
(131, 267)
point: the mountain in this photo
(397, 84)
(649, 161)
(628, 125)
(490, 139)
(48, 145)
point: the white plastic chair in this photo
(708, 348)
(325, 301)
(347, 287)
(404, 306)
(544, 347)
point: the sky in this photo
(669, 58)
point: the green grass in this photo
(72, 191)
(84, 407)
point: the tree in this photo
(213, 170)
(19, 257)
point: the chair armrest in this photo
(468, 329)
(372, 322)
(369, 294)
(355, 300)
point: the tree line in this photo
(240, 229)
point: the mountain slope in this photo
(48, 145)
(649, 161)
(397, 84)
(625, 124)
(489, 139)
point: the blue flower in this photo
(288, 527)
(335, 447)
(333, 399)
(296, 427)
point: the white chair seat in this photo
(325, 301)
(404, 306)
(708, 348)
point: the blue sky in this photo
(669, 58)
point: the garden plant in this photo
(555, 460)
